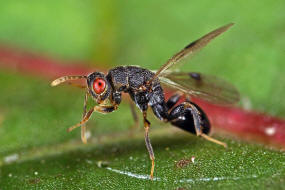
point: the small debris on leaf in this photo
(193, 159)
(11, 158)
(102, 164)
(184, 162)
(35, 181)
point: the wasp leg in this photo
(100, 109)
(83, 127)
(173, 100)
(197, 124)
(148, 144)
(196, 117)
(135, 116)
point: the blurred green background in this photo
(34, 117)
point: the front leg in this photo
(99, 108)
(148, 144)
(83, 127)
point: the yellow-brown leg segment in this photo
(213, 140)
(197, 121)
(135, 116)
(83, 127)
(148, 144)
(83, 121)
(101, 109)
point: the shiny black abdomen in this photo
(182, 118)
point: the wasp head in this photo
(98, 86)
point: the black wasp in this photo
(144, 88)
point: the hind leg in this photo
(190, 117)
(197, 122)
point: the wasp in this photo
(145, 89)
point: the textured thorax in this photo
(129, 79)
(118, 78)
(125, 78)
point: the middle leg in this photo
(135, 116)
(148, 144)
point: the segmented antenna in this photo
(66, 78)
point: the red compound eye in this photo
(99, 85)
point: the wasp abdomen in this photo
(182, 117)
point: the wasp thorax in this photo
(98, 86)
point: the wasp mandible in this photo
(145, 89)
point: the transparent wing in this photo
(191, 49)
(206, 87)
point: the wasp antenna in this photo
(66, 78)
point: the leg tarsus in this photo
(83, 127)
(213, 140)
(148, 144)
(152, 168)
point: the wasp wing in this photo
(206, 87)
(191, 49)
